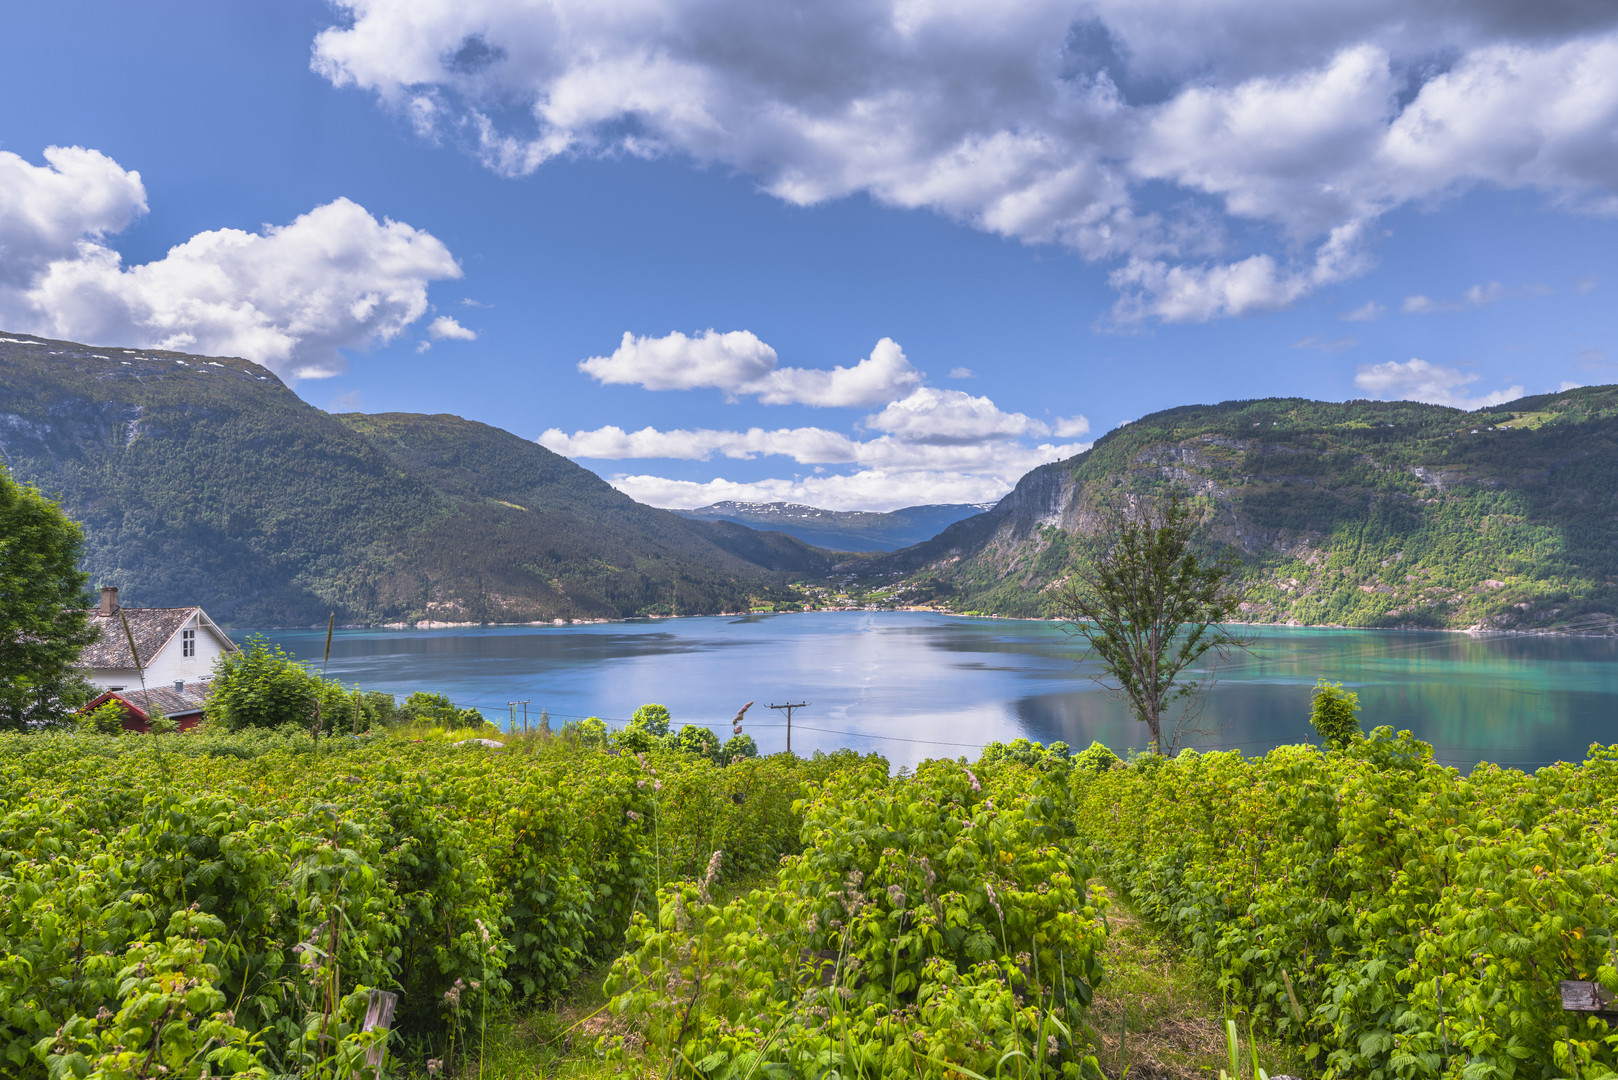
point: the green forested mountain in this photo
(1360, 514)
(205, 480)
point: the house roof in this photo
(151, 628)
(163, 699)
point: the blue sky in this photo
(1031, 221)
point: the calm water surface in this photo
(914, 685)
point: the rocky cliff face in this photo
(1360, 514)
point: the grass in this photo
(1157, 1015)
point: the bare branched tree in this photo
(1151, 605)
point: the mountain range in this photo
(205, 480)
(842, 530)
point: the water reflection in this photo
(914, 685)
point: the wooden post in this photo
(379, 1014)
(1589, 997)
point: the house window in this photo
(188, 642)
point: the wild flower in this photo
(632, 815)
(988, 886)
(896, 896)
(715, 861)
(453, 994)
(975, 785)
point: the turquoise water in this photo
(913, 685)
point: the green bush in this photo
(277, 877)
(1095, 758)
(738, 747)
(1421, 919)
(1333, 713)
(933, 924)
(104, 719)
(648, 729)
(591, 731)
(699, 741)
(261, 687)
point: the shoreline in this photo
(1609, 630)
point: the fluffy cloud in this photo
(739, 364)
(1417, 380)
(937, 445)
(290, 297)
(954, 418)
(870, 489)
(1042, 120)
(47, 211)
(446, 327)
(807, 446)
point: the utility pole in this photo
(511, 707)
(789, 708)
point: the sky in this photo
(856, 254)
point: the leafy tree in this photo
(738, 746)
(654, 718)
(591, 731)
(43, 624)
(1332, 713)
(1150, 605)
(698, 740)
(261, 687)
(428, 708)
(648, 728)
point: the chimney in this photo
(109, 599)
(179, 686)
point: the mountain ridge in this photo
(206, 480)
(1394, 514)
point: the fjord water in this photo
(913, 685)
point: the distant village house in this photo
(177, 649)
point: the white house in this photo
(177, 645)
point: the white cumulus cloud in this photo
(937, 445)
(446, 327)
(1418, 380)
(1044, 120)
(741, 365)
(868, 489)
(290, 297)
(952, 417)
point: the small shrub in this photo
(1333, 714)
(700, 741)
(738, 746)
(105, 719)
(1095, 758)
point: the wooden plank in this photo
(378, 1014)
(1582, 996)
